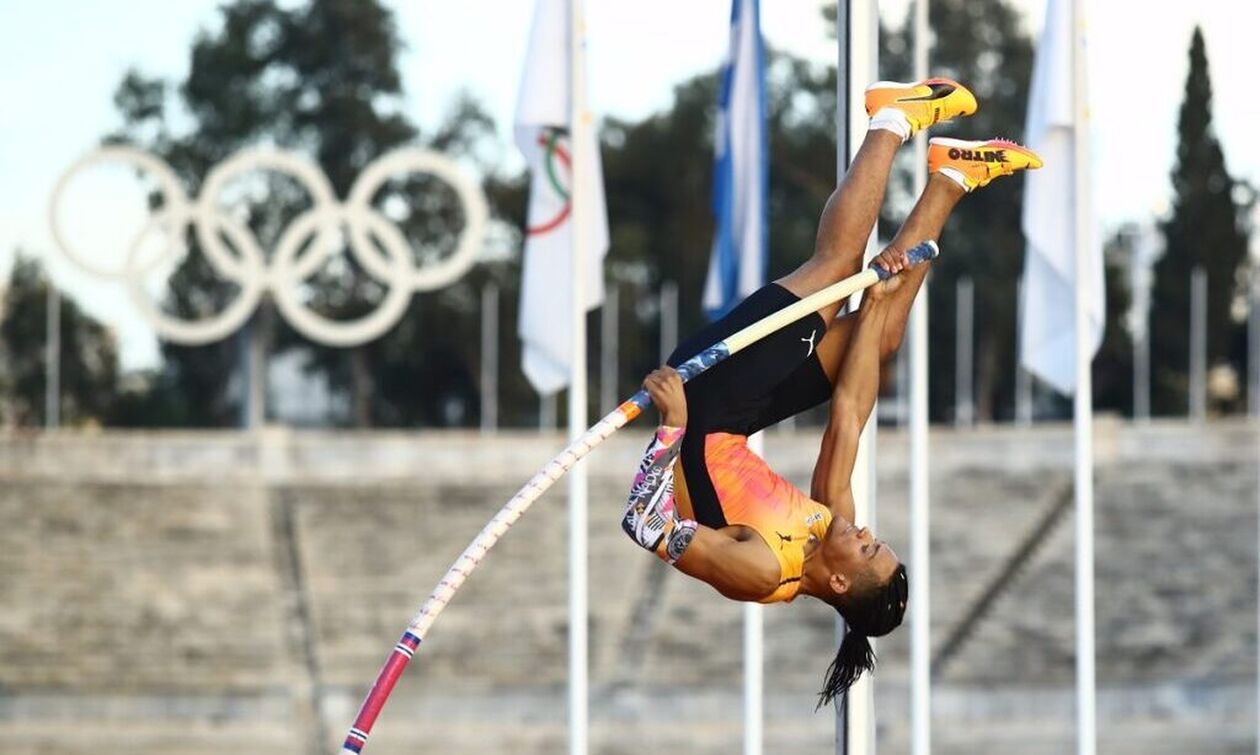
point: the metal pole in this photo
(920, 540)
(253, 371)
(1253, 345)
(964, 335)
(669, 319)
(1142, 368)
(547, 412)
(902, 409)
(608, 350)
(857, 26)
(1083, 416)
(754, 655)
(1198, 344)
(258, 367)
(489, 358)
(844, 74)
(1146, 246)
(1023, 378)
(579, 128)
(52, 358)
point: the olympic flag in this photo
(740, 176)
(543, 134)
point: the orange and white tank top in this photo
(754, 495)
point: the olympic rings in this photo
(235, 254)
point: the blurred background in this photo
(211, 547)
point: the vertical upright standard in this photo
(669, 319)
(964, 358)
(52, 358)
(1198, 344)
(1253, 344)
(920, 541)
(580, 122)
(608, 346)
(1083, 411)
(857, 36)
(1023, 378)
(489, 358)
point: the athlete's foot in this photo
(974, 164)
(907, 109)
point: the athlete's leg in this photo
(956, 167)
(926, 221)
(808, 386)
(898, 111)
(847, 219)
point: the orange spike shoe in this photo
(923, 103)
(975, 164)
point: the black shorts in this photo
(769, 381)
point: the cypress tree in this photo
(1204, 230)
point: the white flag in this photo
(1048, 337)
(543, 135)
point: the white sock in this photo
(954, 175)
(894, 120)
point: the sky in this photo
(64, 58)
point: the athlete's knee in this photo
(891, 341)
(838, 261)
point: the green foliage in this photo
(1204, 230)
(89, 357)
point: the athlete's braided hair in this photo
(872, 614)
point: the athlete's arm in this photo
(666, 390)
(738, 569)
(649, 514)
(853, 400)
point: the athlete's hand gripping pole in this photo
(555, 469)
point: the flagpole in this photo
(52, 356)
(579, 122)
(754, 654)
(1082, 403)
(920, 597)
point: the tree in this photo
(89, 355)
(1204, 231)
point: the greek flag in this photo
(740, 175)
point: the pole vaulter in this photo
(712, 535)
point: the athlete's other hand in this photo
(894, 261)
(666, 390)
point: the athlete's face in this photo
(852, 552)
